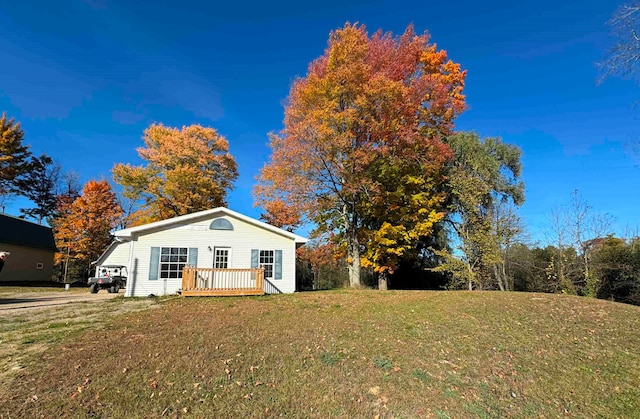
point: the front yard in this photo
(342, 353)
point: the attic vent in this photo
(220, 224)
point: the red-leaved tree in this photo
(361, 154)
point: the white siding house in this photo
(219, 238)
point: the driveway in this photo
(28, 301)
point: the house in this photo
(221, 249)
(31, 248)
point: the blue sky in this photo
(86, 77)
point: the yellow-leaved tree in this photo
(361, 152)
(187, 170)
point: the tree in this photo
(360, 151)
(561, 271)
(83, 227)
(281, 215)
(13, 155)
(623, 57)
(483, 176)
(508, 231)
(322, 264)
(617, 266)
(528, 267)
(188, 170)
(587, 226)
(39, 184)
(577, 225)
(70, 190)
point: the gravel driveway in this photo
(24, 302)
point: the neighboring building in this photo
(31, 248)
(220, 238)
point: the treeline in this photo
(369, 157)
(613, 274)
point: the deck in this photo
(209, 282)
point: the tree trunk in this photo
(508, 280)
(353, 247)
(566, 284)
(498, 275)
(383, 279)
(353, 255)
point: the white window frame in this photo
(215, 257)
(175, 261)
(269, 267)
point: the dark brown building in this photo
(31, 247)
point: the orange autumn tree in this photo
(188, 170)
(361, 152)
(82, 227)
(322, 262)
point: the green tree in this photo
(483, 176)
(40, 185)
(617, 265)
(528, 267)
(188, 170)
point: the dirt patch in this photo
(32, 323)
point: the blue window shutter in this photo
(277, 265)
(193, 257)
(255, 258)
(155, 261)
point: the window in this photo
(221, 258)
(221, 224)
(167, 262)
(266, 262)
(270, 260)
(172, 260)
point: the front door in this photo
(221, 260)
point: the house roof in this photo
(21, 232)
(128, 233)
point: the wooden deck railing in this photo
(219, 282)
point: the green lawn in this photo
(345, 353)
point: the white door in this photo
(221, 260)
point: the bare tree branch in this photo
(623, 56)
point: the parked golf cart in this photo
(109, 277)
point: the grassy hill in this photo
(344, 353)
